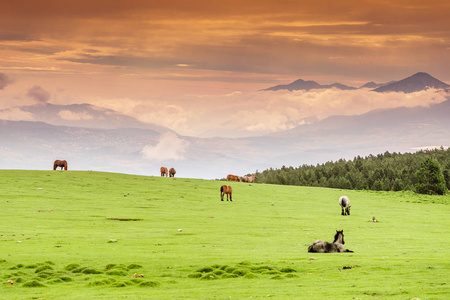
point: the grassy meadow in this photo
(84, 235)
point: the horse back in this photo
(344, 201)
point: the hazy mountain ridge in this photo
(301, 84)
(83, 115)
(34, 145)
(417, 82)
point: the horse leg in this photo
(231, 197)
(342, 213)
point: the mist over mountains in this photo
(129, 146)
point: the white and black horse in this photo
(344, 202)
(320, 246)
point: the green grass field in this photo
(83, 235)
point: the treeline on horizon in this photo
(383, 172)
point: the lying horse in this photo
(60, 164)
(163, 171)
(344, 202)
(225, 190)
(172, 172)
(320, 246)
(233, 178)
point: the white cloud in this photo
(169, 147)
(73, 116)
(16, 114)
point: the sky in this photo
(197, 67)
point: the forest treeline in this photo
(382, 172)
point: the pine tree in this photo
(430, 179)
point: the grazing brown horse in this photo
(163, 171)
(224, 189)
(172, 172)
(320, 246)
(60, 164)
(233, 178)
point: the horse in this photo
(244, 179)
(252, 178)
(163, 171)
(233, 178)
(60, 163)
(320, 246)
(172, 172)
(226, 190)
(344, 202)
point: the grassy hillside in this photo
(80, 235)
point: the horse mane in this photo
(336, 236)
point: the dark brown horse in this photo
(233, 178)
(172, 172)
(163, 171)
(320, 246)
(60, 164)
(224, 189)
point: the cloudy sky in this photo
(196, 66)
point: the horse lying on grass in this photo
(320, 246)
(224, 189)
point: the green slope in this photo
(80, 235)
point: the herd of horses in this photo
(227, 190)
(318, 246)
(249, 179)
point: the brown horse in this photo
(225, 190)
(233, 178)
(60, 164)
(172, 172)
(163, 171)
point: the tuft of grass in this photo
(134, 266)
(33, 284)
(149, 284)
(43, 268)
(117, 273)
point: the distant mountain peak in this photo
(301, 84)
(417, 82)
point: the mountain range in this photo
(132, 147)
(417, 82)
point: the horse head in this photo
(347, 210)
(339, 237)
